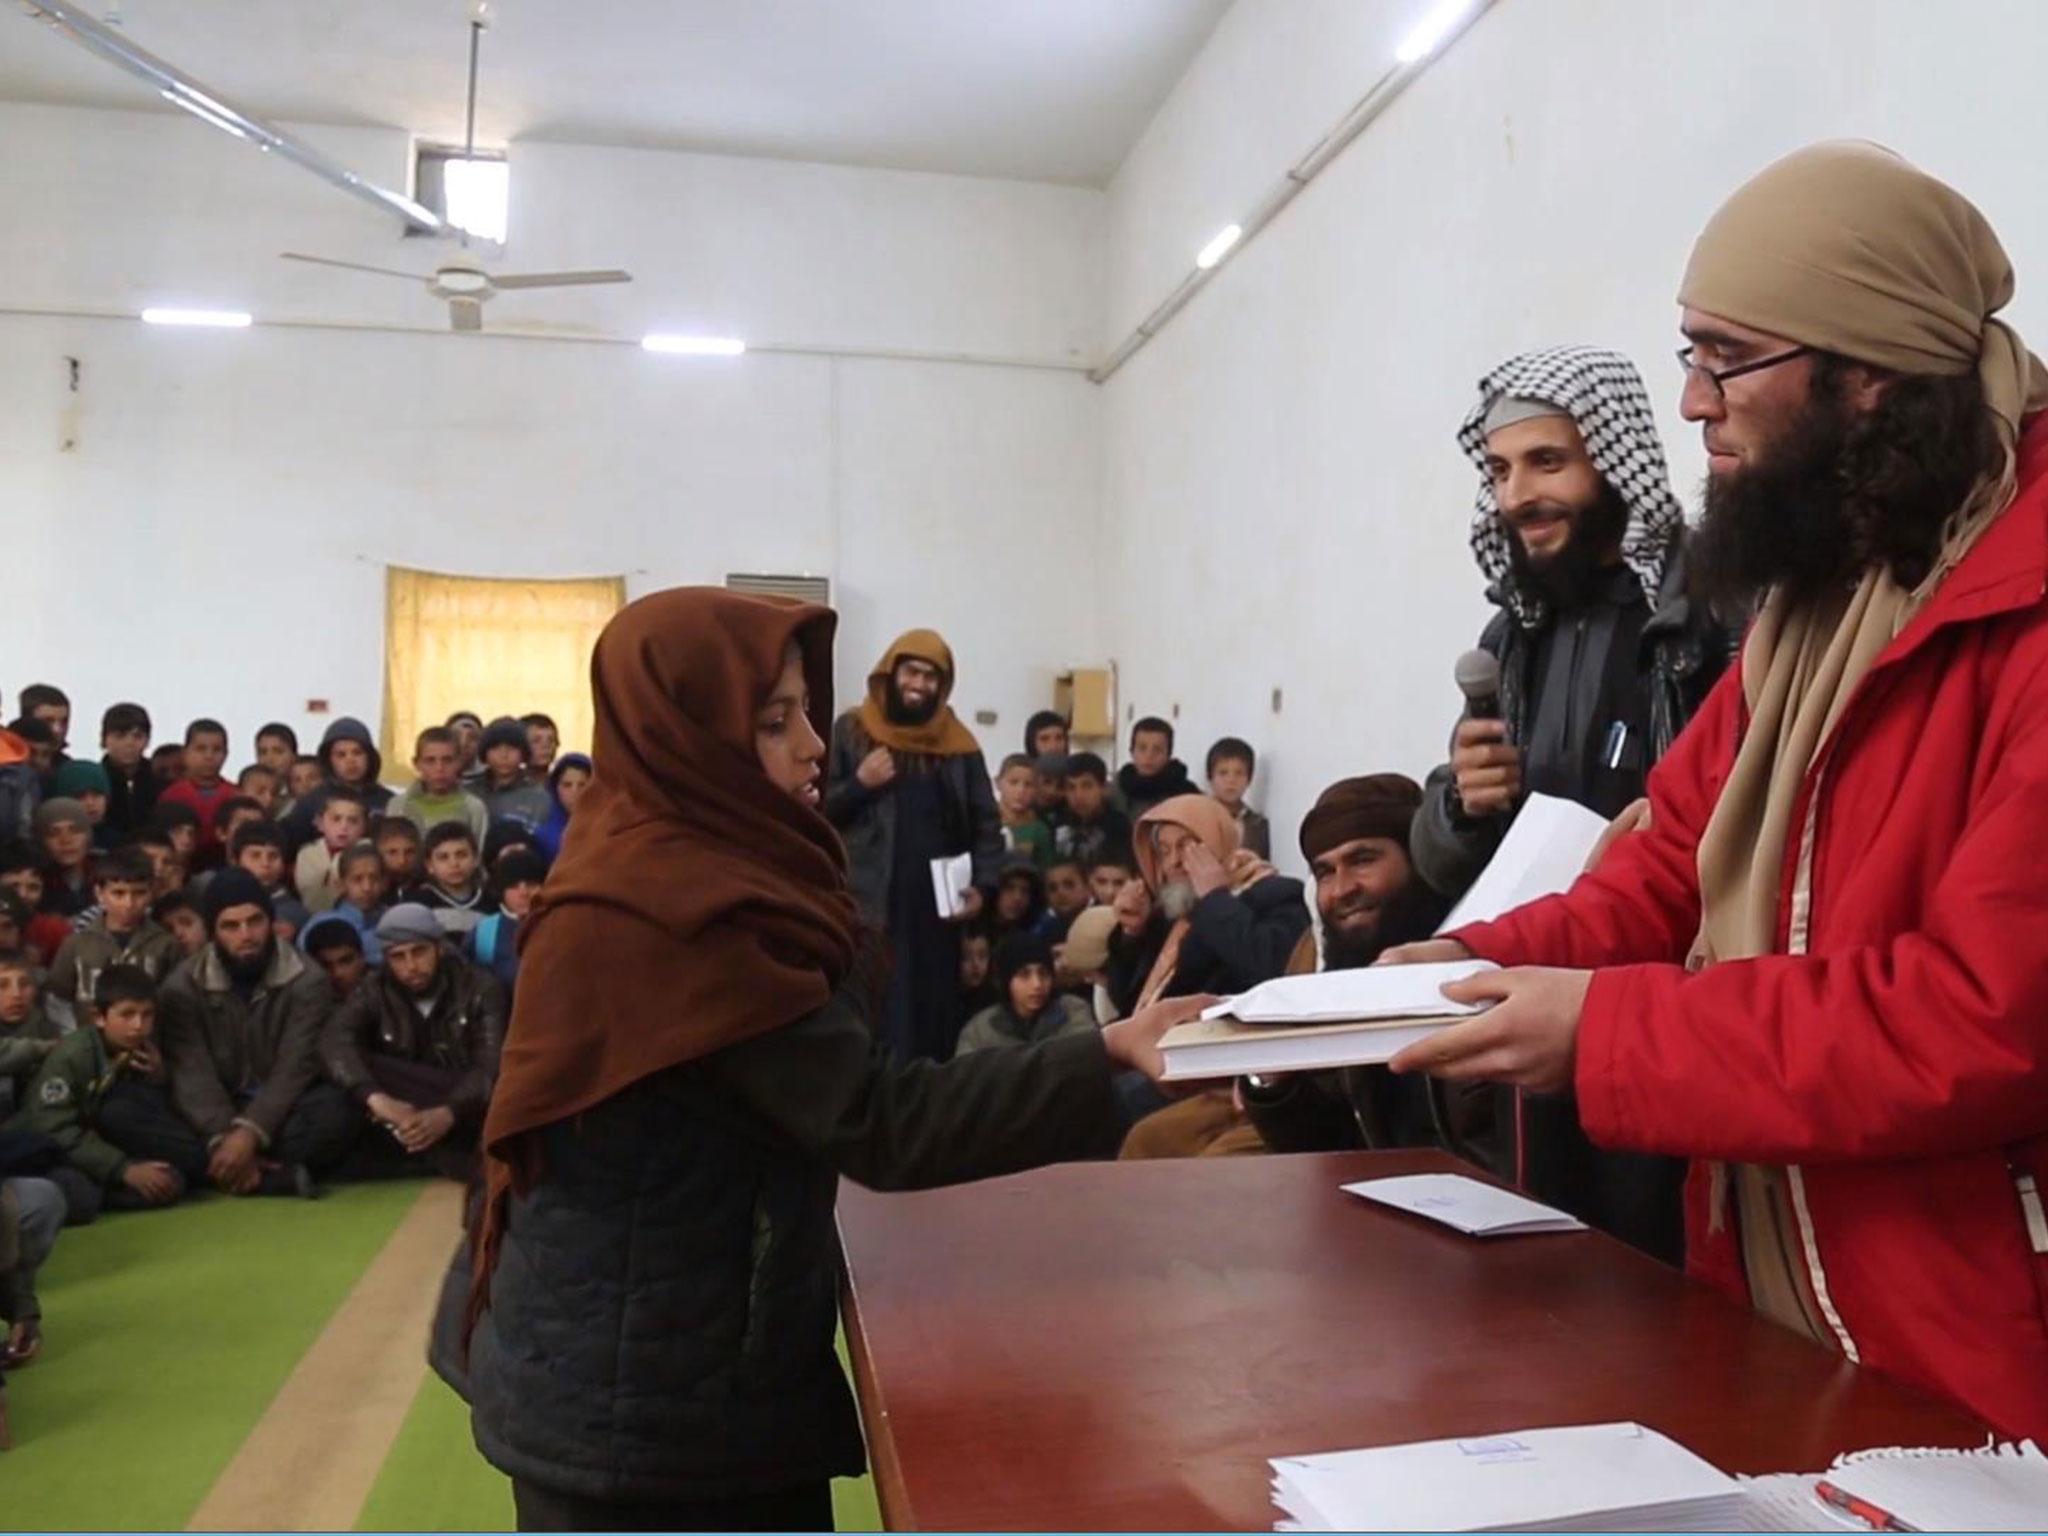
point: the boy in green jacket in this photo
(100, 1096)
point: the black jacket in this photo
(866, 818)
(663, 1309)
(464, 1032)
(1141, 791)
(1233, 943)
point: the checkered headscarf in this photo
(1603, 393)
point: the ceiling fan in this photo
(463, 282)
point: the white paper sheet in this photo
(950, 881)
(1466, 1205)
(1544, 852)
(1373, 992)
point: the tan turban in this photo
(1847, 248)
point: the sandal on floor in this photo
(23, 1345)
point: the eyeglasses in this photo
(1717, 377)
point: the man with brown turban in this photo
(1820, 972)
(908, 785)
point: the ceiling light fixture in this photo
(219, 319)
(1219, 246)
(694, 346)
(211, 119)
(1428, 34)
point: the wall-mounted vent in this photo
(811, 589)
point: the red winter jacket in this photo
(1899, 1069)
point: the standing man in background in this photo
(1603, 658)
(908, 785)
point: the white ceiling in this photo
(1042, 90)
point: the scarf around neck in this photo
(941, 736)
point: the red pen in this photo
(1861, 1509)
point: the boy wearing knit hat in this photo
(87, 783)
(516, 879)
(63, 831)
(508, 793)
(1029, 1010)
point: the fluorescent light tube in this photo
(1429, 33)
(223, 319)
(211, 119)
(1218, 246)
(694, 346)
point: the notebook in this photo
(1582, 1477)
(1545, 850)
(950, 881)
(1466, 1205)
(1311, 1023)
(2004, 1488)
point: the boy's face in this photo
(1104, 881)
(1084, 796)
(1013, 900)
(125, 902)
(58, 718)
(302, 778)
(452, 865)
(204, 754)
(505, 762)
(168, 765)
(10, 931)
(188, 928)
(67, 843)
(344, 965)
(1150, 751)
(17, 995)
(542, 743)
(401, 856)
(27, 884)
(184, 838)
(265, 862)
(260, 787)
(275, 753)
(1049, 738)
(95, 805)
(439, 765)
(1046, 791)
(128, 1024)
(1228, 781)
(1066, 889)
(42, 756)
(124, 749)
(350, 762)
(1017, 787)
(341, 824)
(519, 898)
(973, 961)
(1030, 991)
(467, 735)
(238, 819)
(570, 786)
(363, 885)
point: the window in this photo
(495, 647)
(471, 193)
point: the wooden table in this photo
(1122, 1346)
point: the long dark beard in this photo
(904, 714)
(1567, 578)
(1784, 522)
(246, 973)
(1411, 914)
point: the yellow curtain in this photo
(495, 647)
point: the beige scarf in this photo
(1847, 248)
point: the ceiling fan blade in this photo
(465, 314)
(353, 266)
(557, 279)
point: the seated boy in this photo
(1030, 1010)
(494, 944)
(27, 1034)
(100, 1096)
(336, 945)
(1066, 893)
(1108, 875)
(14, 916)
(303, 777)
(179, 915)
(258, 847)
(365, 896)
(977, 979)
(241, 1036)
(21, 871)
(416, 1048)
(167, 766)
(202, 789)
(260, 784)
(340, 824)
(398, 845)
(1230, 768)
(437, 795)
(87, 783)
(1092, 829)
(64, 833)
(131, 788)
(508, 792)
(120, 933)
(1020, 900)
(543, 742)
(277, 748)
(453, 890)
(1016, 803)
(1049, 787)
(179, 824)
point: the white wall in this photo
(1285, 503)
(202, 525)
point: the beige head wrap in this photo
(1847, 248)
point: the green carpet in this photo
(168, 1334)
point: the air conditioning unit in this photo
(809, 589)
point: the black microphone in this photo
(1478, 674)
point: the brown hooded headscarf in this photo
(1216, 829)
(941, 736)
(695, 904)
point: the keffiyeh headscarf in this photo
(1602, 392)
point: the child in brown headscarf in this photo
(687, 1072)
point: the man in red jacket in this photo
(1821, 971)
